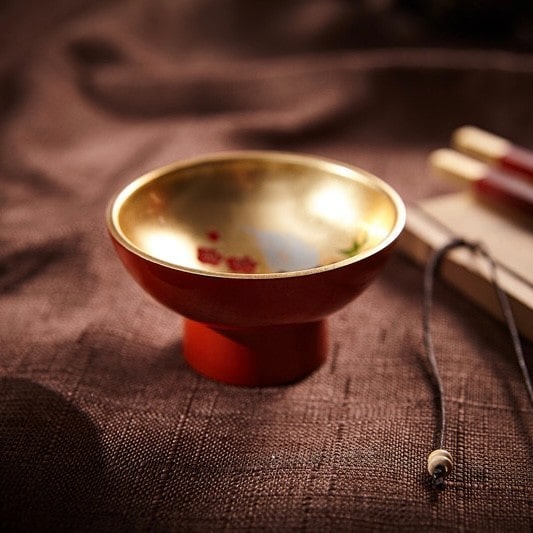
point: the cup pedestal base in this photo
(255, 357)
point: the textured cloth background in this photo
(103, 427)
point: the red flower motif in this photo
(244, 264)
(209, 255)
(213, 235)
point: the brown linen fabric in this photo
(103, 427)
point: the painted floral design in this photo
(212, 256)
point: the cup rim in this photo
(340, 168)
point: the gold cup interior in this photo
(256, 213)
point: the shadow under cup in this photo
(255, 250)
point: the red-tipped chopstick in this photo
(484, 179)
(493, 149)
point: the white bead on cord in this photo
(440, 465)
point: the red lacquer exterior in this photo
(246, 330)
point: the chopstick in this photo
(493, 149)
(484, 179)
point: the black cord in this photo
(429, 277)
(439, 462)
(509, 320)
